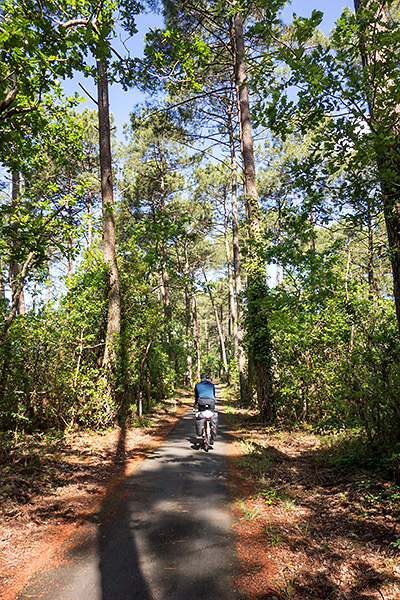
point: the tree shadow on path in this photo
(161, 533)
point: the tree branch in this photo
(9, 99)
(22, 276)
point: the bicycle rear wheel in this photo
(206, 436)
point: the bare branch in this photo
(74, 22)
(90, 96)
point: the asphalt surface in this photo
(164, 535)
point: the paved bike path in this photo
(164, 535)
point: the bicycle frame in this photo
(206, 434)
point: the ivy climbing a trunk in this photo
(259, 346)
(110, 357)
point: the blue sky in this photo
(122, 103)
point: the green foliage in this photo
(257, 329)
(348, 450)
(333, 327)
(39, 45)
(358, 94)
(44, 218)
(337, 360)
(328, 330)
(249, 514)
(273, 533)
(168, 49)
(53, 379)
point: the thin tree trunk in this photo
(232, 307)
(220, 332)
(2, 283)
(15, 267)
(48, 284)
(348, 270)
(196, 336)
(90, 221)
(109, 247)
(312, 245)
(304, 410)
(164, 264)
(370, 262)
(15, 274)
(16, 297)
(278, 266)
(207, 339)
(148, 389)
(256, 317)
(69, 241)
(244, 393)
(188, 375)
(142, 364)
(78, 364)
(312, 224)
(21, 279)
(90, 208)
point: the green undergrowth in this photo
(341, 452)
(368, 474)
(348, 451)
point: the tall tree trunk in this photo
(278, 264)
(109, 249)
(244, 393)
(257, 324)
(165, 293)
(207, 340)
(386, 137)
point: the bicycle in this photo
(206, 434)
(206, 425)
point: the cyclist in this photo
(204, 394)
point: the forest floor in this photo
(50, 484)
(307, 529)
(311, 525)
